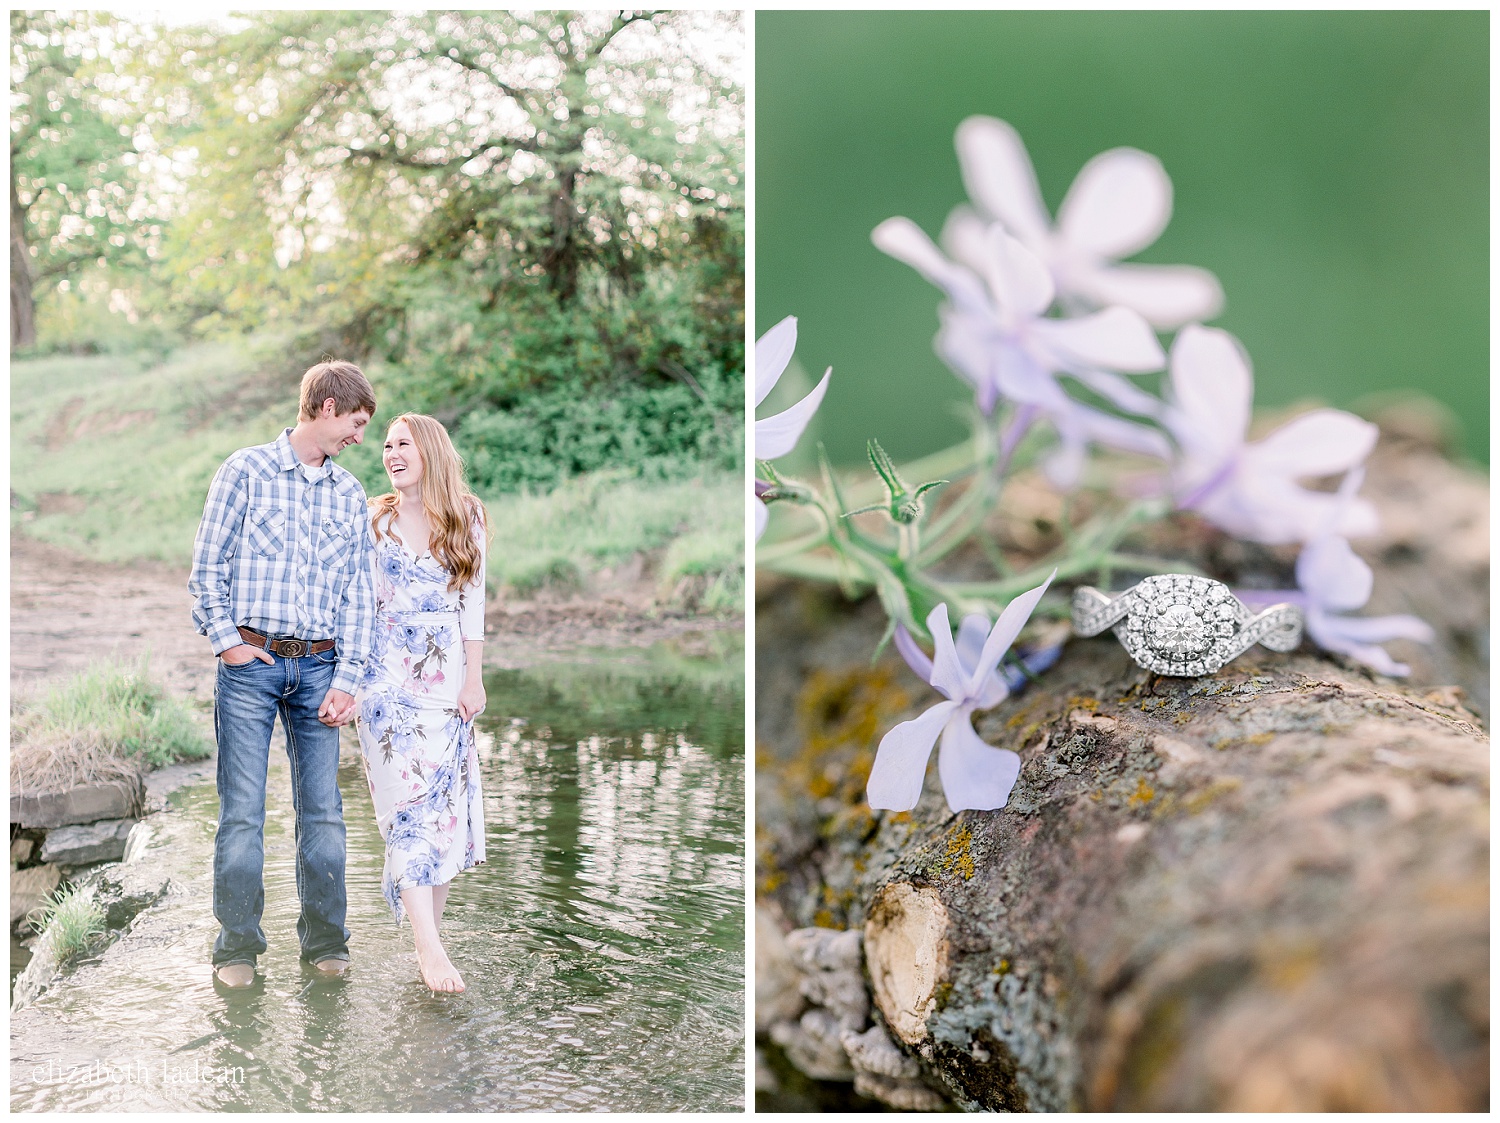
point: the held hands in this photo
(337, 708)
(471, 698)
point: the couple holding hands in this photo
(325, 608)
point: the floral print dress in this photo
(419, 755)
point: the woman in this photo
(423, 682)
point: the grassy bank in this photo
(112, 456)
(108, 721)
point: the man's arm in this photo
(213, 556)
(356, 627)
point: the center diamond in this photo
(1179, 631)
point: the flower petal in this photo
(1114, 339)
(1121, 392)
(904, 240)
(1167, 295)
(975, 775)
(948, 676)
(901, 760)
(772, 353)
(1318, 443)
(1004, 633)
(1119, 204)
(1275, 511)
(972, 631)
(1021, 284)
(762, 514)
(1333, 576)
(999, 177)
(965, 237)
(1351, 636)
(1378, 629)
(1116, 432)
(1211, 391)
(915, 657)
(776, 436)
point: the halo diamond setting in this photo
(1184, 625)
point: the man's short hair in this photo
(342, 381)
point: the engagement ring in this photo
(1177, 624)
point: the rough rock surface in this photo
(1261, 890)
(85, 844)
(87, 803)
(29, 888)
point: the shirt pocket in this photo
(266, 530)
(335, 543)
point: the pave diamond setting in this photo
(1179, 624)
(1185, 625)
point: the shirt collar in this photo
(287, 457)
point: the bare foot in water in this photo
(437, 969)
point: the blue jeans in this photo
(247, 699)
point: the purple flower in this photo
(777, 435)
(1250, 489)
(392, 564)
(410, 637)
(1336, 580)
(1118, 205)
(377, 712)
(996, 336)
(1333, 580)
(974, 774)
(432, 602)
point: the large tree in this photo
(74, 170)
(502, 200)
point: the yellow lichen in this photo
(1078, 702)
(1204, 798)
(958, 857)
(1144, 793)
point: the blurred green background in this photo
(1330, 167)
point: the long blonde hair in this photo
(451, 508)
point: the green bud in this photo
(902, 504)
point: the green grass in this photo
(694, 527)
(71, 922)
(110, 720)
(112, 456)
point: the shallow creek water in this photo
(602, 942)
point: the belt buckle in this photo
(292, 648)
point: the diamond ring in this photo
(1178, 624)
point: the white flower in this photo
(974, 774)
(995, 335)
(776, 436)
(1334, 579)
(1118, 205)
(1250, 489)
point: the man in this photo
(283, 577)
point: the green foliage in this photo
(493, 204)
(122, 710)
(71, 922)
(660, 433)
(77, 190)
(604, 519)
(112, 455)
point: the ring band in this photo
(1178, 624)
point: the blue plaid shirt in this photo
(285, 548)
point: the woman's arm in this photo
(471, 697)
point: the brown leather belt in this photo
(286, 648)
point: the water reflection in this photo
(602, 942)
